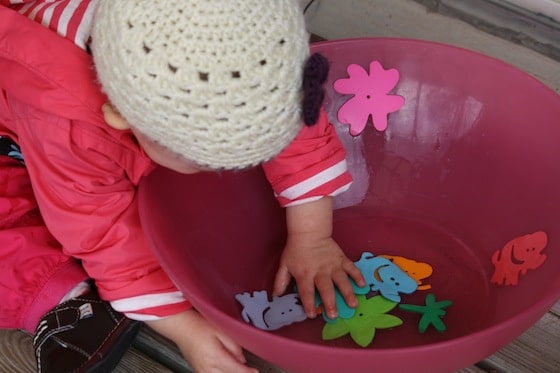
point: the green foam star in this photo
(432, 312)
(369, 316)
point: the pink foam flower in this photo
(370, 96)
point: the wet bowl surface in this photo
(466, 165)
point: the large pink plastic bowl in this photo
(471, 161)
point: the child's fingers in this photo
(281, 281)
(231, 363)
(349, 267)
(325, 287)
(306, 291)
(234, 349)
(345, 288)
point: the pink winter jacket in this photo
(85, 173)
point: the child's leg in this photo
(81, 334)
(34, 273)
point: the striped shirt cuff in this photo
(152, 306)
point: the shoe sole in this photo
(114, 356)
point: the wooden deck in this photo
(536, 351)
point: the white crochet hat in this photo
(216, 81)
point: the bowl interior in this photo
(465, 166)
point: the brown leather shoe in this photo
(83, 334)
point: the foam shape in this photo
(417, 270)
(381, 274)
(270, 314)
(432, 312)
(343, 309)
(370, 96)
(517, 257)
(371, 314)
(384, 276)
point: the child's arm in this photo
(202, 345)
(314, 259)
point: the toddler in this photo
(95, 93)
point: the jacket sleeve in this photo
(82, 180)
(313, 166)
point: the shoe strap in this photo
(60, 319)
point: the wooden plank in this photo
(135, 361)
(556, 309)
(500, 18)
(534, 351)
(16, 352)
(262, 365)
(160, 349)
(473, 369)
(17, 356)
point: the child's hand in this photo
(315, 260)
(320, 265)
(203, 346)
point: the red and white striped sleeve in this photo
(71, 19)
(149, 307)
(313, 166)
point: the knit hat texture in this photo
(216, 81)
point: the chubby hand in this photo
(315, 260)
(203, 346)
